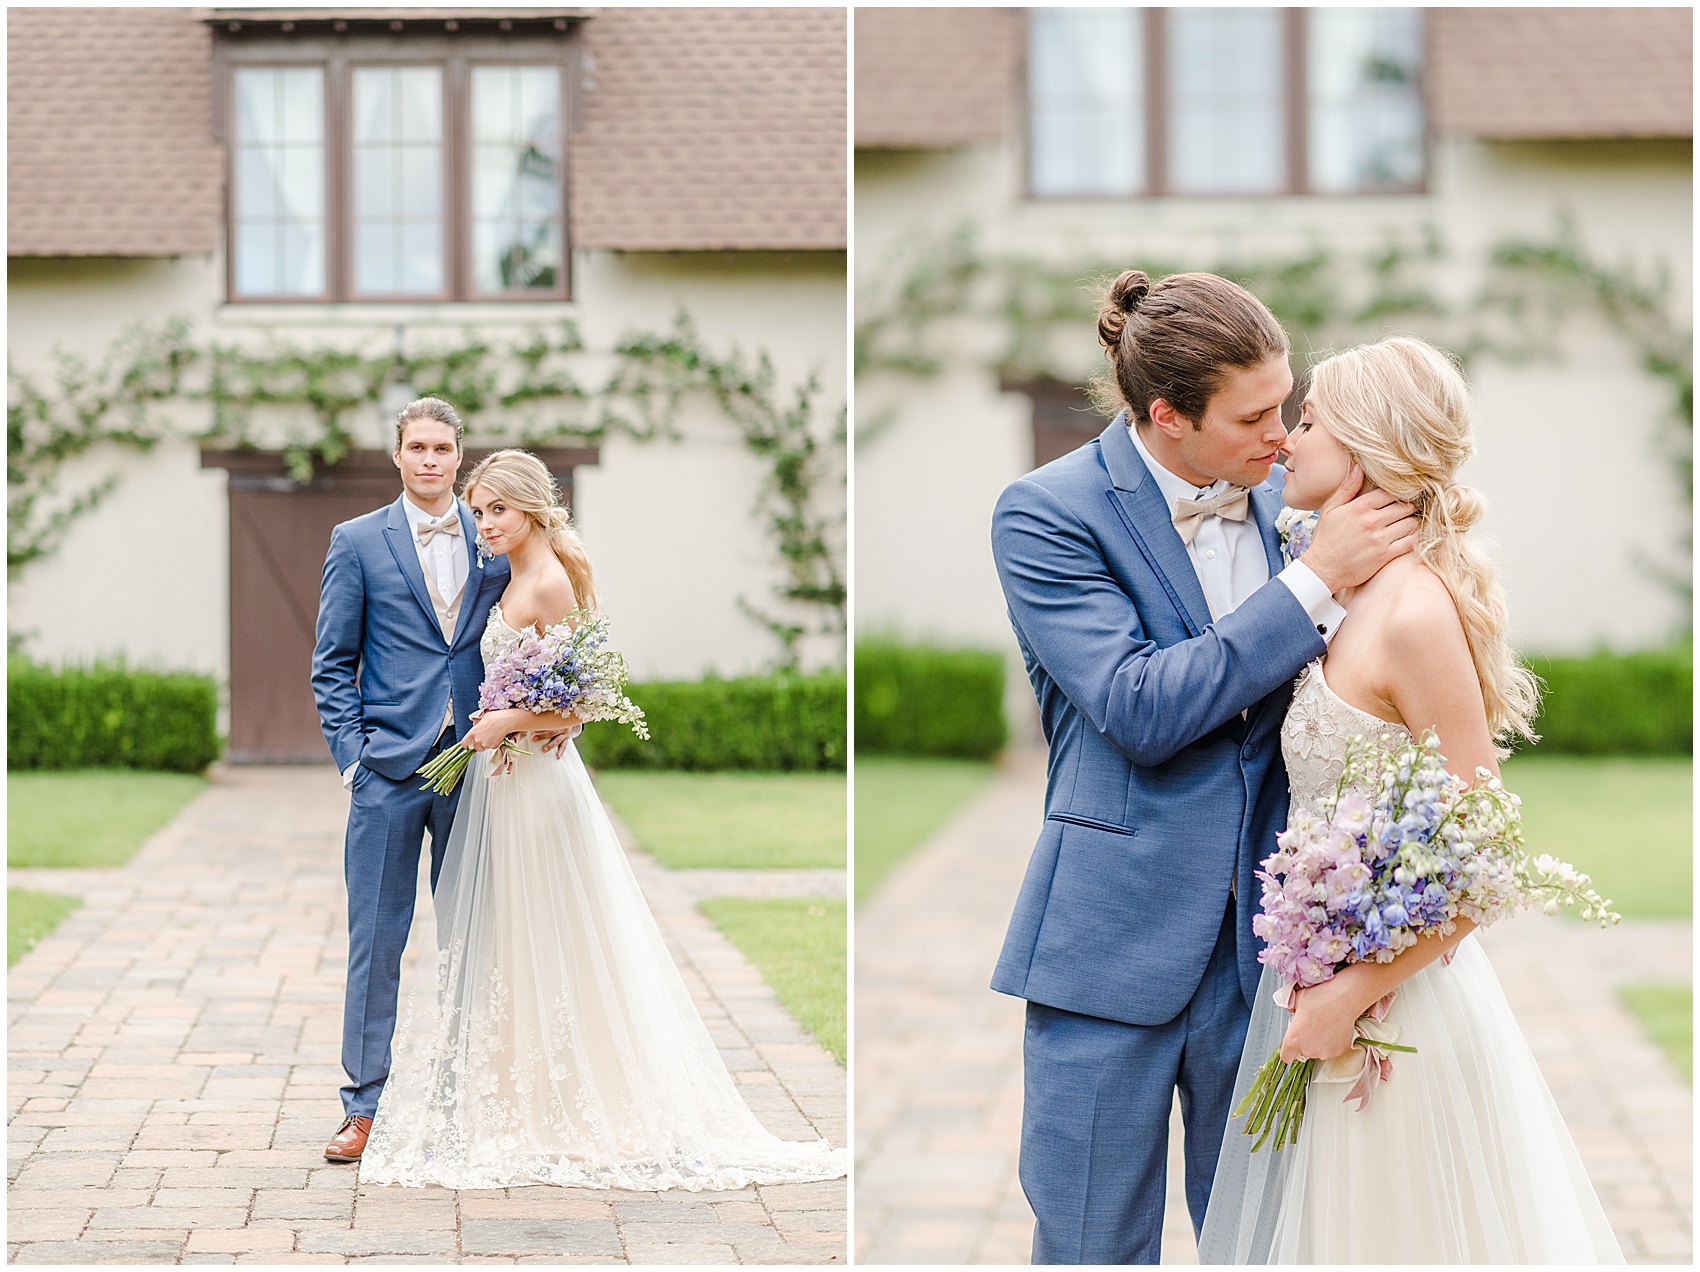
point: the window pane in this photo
(1086, 97)
(1226, 133)
(516, 178)
(278, 174)
(398, 180)
(1365, 99)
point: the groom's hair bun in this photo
(1121, 299)
(1176, 339)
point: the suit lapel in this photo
(399, 535)
(474, 574)
(1265, 507)
(1134, 493)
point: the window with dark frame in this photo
(1150, 102)
(392, 160)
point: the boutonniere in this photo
(484, 553)
(1295, 526)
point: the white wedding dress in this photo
(562, 1046)
(1460, 1157)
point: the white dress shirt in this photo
(1228, 556)
(445, 557)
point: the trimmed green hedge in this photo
(779, 722)
(109, 716)
(924, 700)
(1617, 704)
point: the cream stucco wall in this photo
(671, 525)
(1556, 440)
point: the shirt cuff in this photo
(348, 775)
(1312, 593)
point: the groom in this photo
(1162, 635)
(396, 670)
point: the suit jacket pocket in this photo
(1092, 823)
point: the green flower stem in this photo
(444, 772)
(1275, 1102)
(1260, 1094)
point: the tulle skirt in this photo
(1460, 1157)
(562, 1046)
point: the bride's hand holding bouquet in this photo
(1401, 862)
(542, 681)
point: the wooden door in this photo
(280, 531)
(1063, 416)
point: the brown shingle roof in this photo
(930, 78)
(108, 126)
(712, 128)
(1550, 72)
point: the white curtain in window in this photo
(1365, 99)
(278, 181)
(516, 178)
(398, 180)
(1226, 126)
(1086, 97)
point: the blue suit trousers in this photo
(1095, 1125)
(387, 823)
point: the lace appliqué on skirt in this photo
(561, 1045)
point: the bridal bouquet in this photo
(1364, 876)
(567, 669)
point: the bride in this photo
(562, 1046)
(1461, 1156)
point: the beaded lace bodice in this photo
(497, 634)
(1314, 735)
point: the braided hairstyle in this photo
(523, 481)
(1402, 408)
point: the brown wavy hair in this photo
(1177, 339)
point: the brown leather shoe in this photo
(350, 1141)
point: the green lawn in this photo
(89, 817)
(1628, 822)
(32, 915)
(756, 821)
(902, 801)
(798, 946)
(748, 820)
(1667, 1013)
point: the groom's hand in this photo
(554, 743)
(1358, 533)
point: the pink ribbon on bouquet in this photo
(1363, 1064)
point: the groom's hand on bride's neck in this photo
(1358, 531)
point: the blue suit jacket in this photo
(381, 669)
(1159, 793)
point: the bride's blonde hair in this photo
(1402, 409)
(521, 480)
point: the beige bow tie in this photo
(449, 525)
(1234, 503)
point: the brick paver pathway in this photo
(938, 1054)
(174, 1070)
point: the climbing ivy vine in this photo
(542, 388)
(945, 300)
